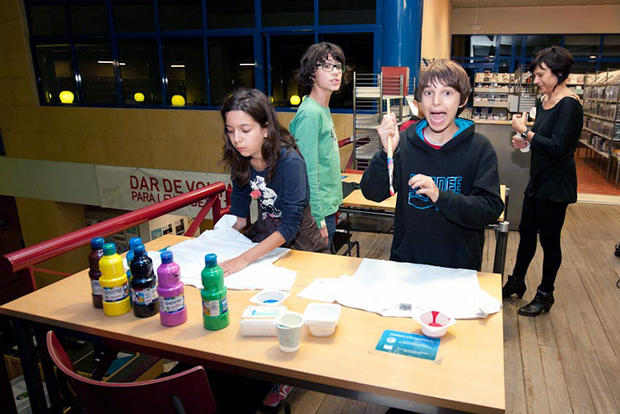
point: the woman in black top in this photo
(553, 176)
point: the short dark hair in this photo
(315, 54)
(254, 103)
(446, 72)
(557, 59)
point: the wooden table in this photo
(468, 374)
(356, 203)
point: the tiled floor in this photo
(591, 175)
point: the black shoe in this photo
(542, 303)
(513, 286)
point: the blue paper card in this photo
(404, 343)
(343, 177)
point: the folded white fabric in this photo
(228, 243)
(396, 289)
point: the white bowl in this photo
(269, 297)
(442, 323)
(322, 318)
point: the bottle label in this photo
(172, 304)
(144, 296)
(96, 287)
(213, 308)
(116, 293)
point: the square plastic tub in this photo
(322, 318)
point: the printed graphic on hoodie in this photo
(266, 197)
(422, 202)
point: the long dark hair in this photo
(254, 103)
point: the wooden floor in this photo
(565, 361)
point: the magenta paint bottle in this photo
(172, 310)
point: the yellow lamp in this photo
(271, 99)
(138, 97)
(177, 100)
(66, 97)
(295, 100)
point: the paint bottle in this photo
(133, 242)
(113, 281)
(96, 253)
(143, 284)
(171, 290)
(214, 302)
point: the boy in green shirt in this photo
(313, 128)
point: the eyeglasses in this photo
(329, 67)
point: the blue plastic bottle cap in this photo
(97, 243)
(139, 250)
(211, 260)
(109, 249)
(134, 241)
(166, 257)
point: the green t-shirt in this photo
(313, 129)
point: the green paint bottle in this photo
(214, 302)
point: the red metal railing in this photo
(21, 262)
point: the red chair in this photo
(186, 392)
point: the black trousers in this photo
(546, 218)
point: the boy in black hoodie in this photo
(445, 175)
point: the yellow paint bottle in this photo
(113, 280)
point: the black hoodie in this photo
(450, 232)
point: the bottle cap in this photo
(211, 260)
(166, 256)
(134, 241)
(96, 243)
(109, 249)
(139, 250)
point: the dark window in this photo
(184, 65)
(286, 51)
(583, 45)
(55, 71)
(230, 13)
(461, 45)
(584, 67)
(180, 14)
(97, 73)
(288, 13)
(356, 47)
(504, 66)
(505, 45)
(536, 43)
(140, 72)
(231, 65)
(611, 46)
(48, 20)
(347, 12)
(134, 16)
(89, 18)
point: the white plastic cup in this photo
(288, 325)
(526, 149)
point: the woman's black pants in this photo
(546, 218)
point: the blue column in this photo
(402, 34)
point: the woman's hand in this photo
(387, 129)
(425, 185)
(518, 142)
(234, 265)
(518, 122)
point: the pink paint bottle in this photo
(172, 310)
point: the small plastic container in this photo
(322, 318)
(269, 297)
(434, 323)
(259, 320)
